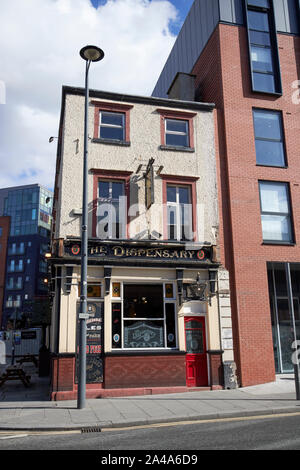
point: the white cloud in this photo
(40, 42)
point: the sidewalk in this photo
(30, 409)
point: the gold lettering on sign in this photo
(102, 250)
(118, 251)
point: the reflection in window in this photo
(282, 330)
(112, 126)
(147, 319)
(111, 210)
(275, 212)
(179, 213)
(269, 138)
(177, 133)
(263, 47)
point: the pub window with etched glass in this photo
(143, 316)
(111, 210)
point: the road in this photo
(255, 433)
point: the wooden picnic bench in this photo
(28, 358)
(15, 373)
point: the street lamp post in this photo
(89, 54)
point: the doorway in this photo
(282, 330)
(196, 357)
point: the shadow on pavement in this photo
(14, 390)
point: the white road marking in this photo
(15, 436)
(203, 421)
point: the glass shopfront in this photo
(282, 328)
(144, 316)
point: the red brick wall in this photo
(224, 76)
(145, 371)
(4, 224)
(63, 369)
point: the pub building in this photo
(158, 296)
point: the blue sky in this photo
(183, 7)
(136, 36)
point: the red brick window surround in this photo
(184, 127)
(110, 176)
(122, 111)
(188, 182)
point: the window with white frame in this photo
(143, 316)
(179, 212)
(177, 132)
(111, 210)
(275, 212)
(112, 125)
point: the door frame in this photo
(190, 316)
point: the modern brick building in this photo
(158, 296)
(244, 56)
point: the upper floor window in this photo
(112, 126)
(275, 212)
(1, 231)
(111, 213)
(177, 132)
(264, 59)
(112, 123)
(269, 142)
(259, 3)
(15, 266)
(179, 213)
(110, 203)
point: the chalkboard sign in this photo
(94, 343)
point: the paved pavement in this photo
(30, 409)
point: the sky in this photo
(40, 42)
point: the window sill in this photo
(143, 352)
(272, 166)
(177, 149)
(111, 142)
(268, 93)
(279, 243)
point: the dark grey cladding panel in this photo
(198, 26)
(231, 11)
(201, 21)
(287, 16)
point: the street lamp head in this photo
(91, 53)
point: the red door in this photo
(196, 360)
